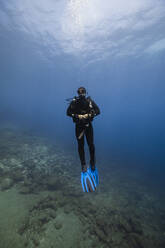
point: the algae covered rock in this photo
(6, 183)
(17, 175)
(3, 169)
(58, 225)
(68, 209)
(54, 183)
(15, 163)
(43, 217)
(25, 190)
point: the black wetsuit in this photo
(80, 106)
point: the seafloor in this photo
(42, 203)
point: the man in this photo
(83, 109)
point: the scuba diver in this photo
(83, 109)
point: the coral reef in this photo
(123, 214)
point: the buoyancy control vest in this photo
(81, 106)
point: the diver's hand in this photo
(85, 116)
(80, 117)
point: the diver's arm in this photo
(72, 113)
(95, 110)
(70, 110)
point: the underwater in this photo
(82, 124)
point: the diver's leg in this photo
(81, 147)
(89, 138)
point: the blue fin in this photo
(94, 174)
(88, 182)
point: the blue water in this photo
(49, 49)
(116, 50)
